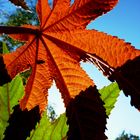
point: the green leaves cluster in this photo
(47, 130)
(126, 136)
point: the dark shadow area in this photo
(21, 123)
(86, 116)
(4, 76)
(128, 78)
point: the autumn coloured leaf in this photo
(54, 49)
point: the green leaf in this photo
(10, 94)
(4, 48)
(109, 95)
(47, 130)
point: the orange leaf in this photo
(54, 49)
(68, 75)
(60, 10)
(39, 81)
(19, 60)
(97, 43)
(79, 14)
(22, 36)
(43, 10)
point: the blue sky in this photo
(123, 21)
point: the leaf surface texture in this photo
(47, 130)
(54, 49)
(109, 95)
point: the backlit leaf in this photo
(41, 8)
(97, 44)
(54, 49)
(109, 95)
(46, 130)
(4, 48)
(78, 15)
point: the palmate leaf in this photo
(21, 3)
(54, 49)
(47, 130)
(10, 94)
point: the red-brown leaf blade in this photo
(4, 76)
(86, 116)
(128, 78)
